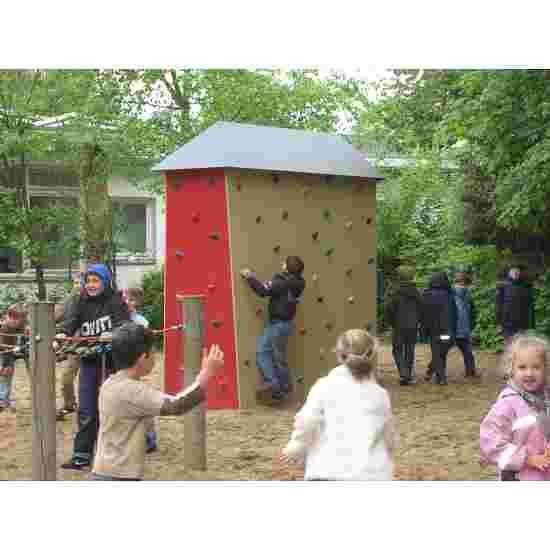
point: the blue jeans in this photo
(272, 356)
(465, 346)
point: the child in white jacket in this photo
(345, 430)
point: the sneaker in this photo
(151, 449)
(404, 382)
(76, 464)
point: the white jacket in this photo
(344, 429)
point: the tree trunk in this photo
(95, 206)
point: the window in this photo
(133, 227)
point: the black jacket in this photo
(439, 315)
(285, 290)
(94, 315)
(515, 305)
(404, 309)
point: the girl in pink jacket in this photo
(515, 435)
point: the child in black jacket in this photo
(96, 313)
(285, 290)
(403, 313)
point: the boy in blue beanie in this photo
(96, 313)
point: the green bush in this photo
(542, 304)
(153, 299)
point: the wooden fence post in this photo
(194, 447)
(42, 361)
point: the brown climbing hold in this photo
(285, 215)
(349, 272)
(322, 353)
(216, 323)
(307, 189)
(214, 236)
(259, 219)
(315, 235)
(349, 225)
(246, 363)
(315, 277)
(320, 299)
(277, 249)
(351, 300)
(275, 179)
(328, 325)
(303, 331)
(368, 221)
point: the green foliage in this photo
(542, 304)
(153, 303)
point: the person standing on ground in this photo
(403, 313)
(439, 318)
(466, 316)
(515, 304)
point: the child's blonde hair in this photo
(358, 350)
(521, 341)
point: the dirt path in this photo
(439, 431)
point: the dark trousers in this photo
(90, 379)
(403, 344)
(465, 346)
(440, 349)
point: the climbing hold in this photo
(307, 189)
(349, 272)
(322, 353)
(275, 178)
(368, 221)
(195, 217)
(327, 215)
(315, 277)
(329, 251)
(328, 325)
(349, 225)
(180, 253)
(214, 236)
(320, 299)
(303, 331)
(211, 181)
(259, 219)
(371, 261)
(276, 249)
(315, 235)
(285, 215)
(367, 326)
(246, 363)
(259, 311)
(351, 300)
(211, 287)
(216, 323)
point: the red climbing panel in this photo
(198, 262)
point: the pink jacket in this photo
(509, 434)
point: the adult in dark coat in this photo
(515, 304)
(439, 318)
(403, 312)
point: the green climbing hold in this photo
(327, 215)
(329, 252)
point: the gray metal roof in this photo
(246, 146)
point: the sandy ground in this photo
(438, 426)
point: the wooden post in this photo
(194, 448)
(42, 361)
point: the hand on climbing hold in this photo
(245, 273)
(106, 336)
(212, 361)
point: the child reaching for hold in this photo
(345, 430)
(515, 435)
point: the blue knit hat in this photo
(102, 271)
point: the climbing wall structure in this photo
(222, 219)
